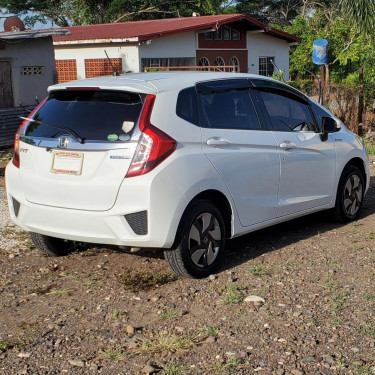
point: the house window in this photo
(154, 63)
(204, 62)
(66, 70)
(223, 33)
(227, 33)
(235, 63)
(165, 62)
(209, 35)
(219, 61)
(266, 66)
(236, 35)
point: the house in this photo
(27, 68)
(231, 41)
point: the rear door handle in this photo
(287, 145)
(217, 142)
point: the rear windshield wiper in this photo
(68, 130)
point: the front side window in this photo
(228, 110)
(286, 113)
(266, 66)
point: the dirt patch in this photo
(312, 309)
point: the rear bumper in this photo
(105, 227)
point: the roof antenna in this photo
(115, 72)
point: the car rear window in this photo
(93, 115)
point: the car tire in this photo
(52, 246)
(200, 241)
(350, 194)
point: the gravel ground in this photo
(294, 299)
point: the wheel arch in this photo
(359, 163)
(220, 201)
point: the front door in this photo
(6, 92)
(307, 162)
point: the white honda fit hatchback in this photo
(178, 161)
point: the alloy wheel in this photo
(204, 240)
(353, 194)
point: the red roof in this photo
(146, 30)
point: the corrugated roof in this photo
(145, 30)
(32, 34)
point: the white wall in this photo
(30, 52)
(80, 52)
(263, 45)
(181, 45)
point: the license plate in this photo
(67, 163)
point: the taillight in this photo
(154, 146)
(16, 149)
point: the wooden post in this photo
(360, 103)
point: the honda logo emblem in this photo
(63, 142)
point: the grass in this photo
(356, 224)
(118, 315)
(5, 345)
(170, 314)
(3, 283)
(136, 281)
(112, 354)
(166, 342)
(172, 368)
(258, 271)
(370, 146)
(229, 366)
(370, 297)
(209, 331)
(362, 370)
(330, 285)
(338, 301)
(59, 293)
(368, 328)
(233, 295)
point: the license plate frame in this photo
(67, 162)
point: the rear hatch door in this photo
(58, 170)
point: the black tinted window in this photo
(319, 114)
(93, 115)
(187, 107)
(287, 114)
(228, 110)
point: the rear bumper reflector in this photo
(16, 206)
(138, 222)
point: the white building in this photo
(221, 40)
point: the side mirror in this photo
(329, 125)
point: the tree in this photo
(361, 13)
(84, 12)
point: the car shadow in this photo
(253, 245)
(247, 247)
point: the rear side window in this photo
(286, 113)
(232, 109)
(187, 107)
(93, 115)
